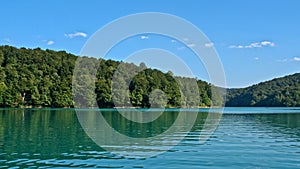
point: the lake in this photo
(244, 138)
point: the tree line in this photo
(279, 92)
(43, 78)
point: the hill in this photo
(284, 91)
(43, 78)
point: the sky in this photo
(255, 40)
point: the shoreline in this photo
(124, 108)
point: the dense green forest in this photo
(284, 91)
(43, 78)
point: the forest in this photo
(45, 78)
(279, 92)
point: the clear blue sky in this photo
(256, 40)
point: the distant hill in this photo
(284, 91)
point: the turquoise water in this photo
(245, 138)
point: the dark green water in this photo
(245, 138)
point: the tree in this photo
(3, 89)
(158, 99)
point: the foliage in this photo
(43, 78)
(283, 91)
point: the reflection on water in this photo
(139, 130)
(55, 138)
(45, 133)
(115, 132)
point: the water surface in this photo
(245, 138)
